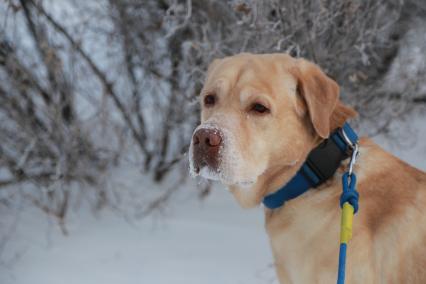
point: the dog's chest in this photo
(305, 244)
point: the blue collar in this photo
(321, 164)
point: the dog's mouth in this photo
(206, 164)
(218, 175)
(207, 159)
(205, 167)
(208, 173)
(224, 167)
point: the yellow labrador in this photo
(261, 116)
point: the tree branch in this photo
(421, 99)
(108, 86)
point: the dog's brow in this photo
(248, 95)
(218, 87)
(207, 91)
(245, 96)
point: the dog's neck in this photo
(268, 182)
(273, 178)
(319, 163)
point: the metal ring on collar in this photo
(347, 140)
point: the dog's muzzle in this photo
(206, 143)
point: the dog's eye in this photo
(259, 108)
(209, 100)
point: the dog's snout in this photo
(206, 145)
(207, 138)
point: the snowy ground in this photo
(196, 242)
(208, 242)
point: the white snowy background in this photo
(186, 239)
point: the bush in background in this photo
(88, 86)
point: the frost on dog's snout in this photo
(227, 165)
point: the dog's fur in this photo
(261, 152)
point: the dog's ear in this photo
(320, 94)
(340, 115)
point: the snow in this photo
(210, 241)
(412, 147)
(198, 242)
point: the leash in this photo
(349, 205)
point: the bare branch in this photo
(108, 86)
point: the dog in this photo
(261, 115)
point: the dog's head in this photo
(260, 117)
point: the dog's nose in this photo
(207, 138)
(206, 143)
